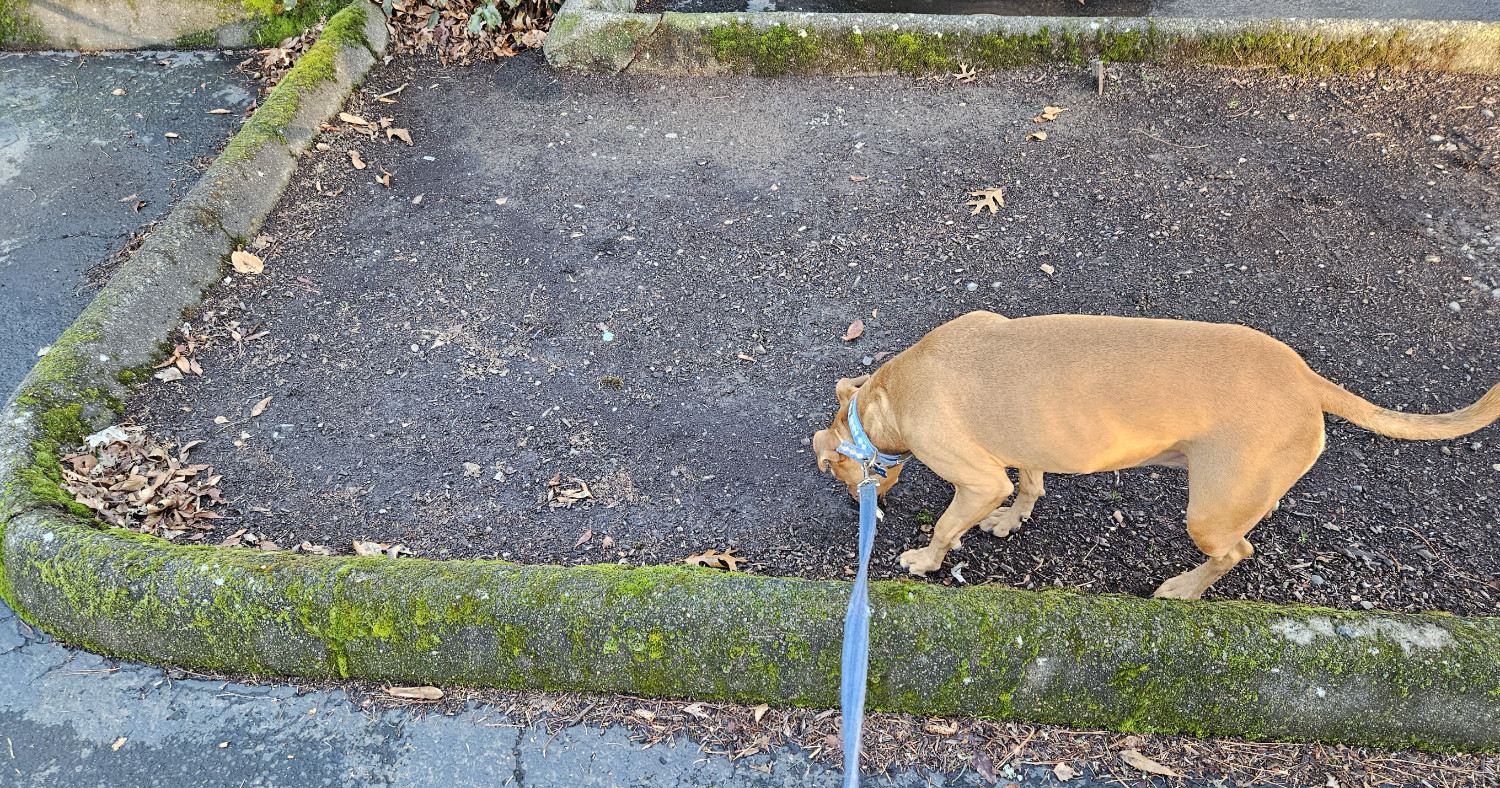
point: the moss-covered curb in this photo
(597, 36)
(1236, 669)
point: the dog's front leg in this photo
(970, 503)
(1006, 519)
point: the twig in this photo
(1164, 142)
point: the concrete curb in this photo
(606, 36)
(1209, 668)
(146, 24)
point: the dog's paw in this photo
(1179, 587)
(1001, 522)
(918, 562)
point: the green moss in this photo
(314, 68)
(792, 49)
(16, 25)
(275, 24)
(1296, 53)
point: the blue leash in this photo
(856, 658)
(856, 662)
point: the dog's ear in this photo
(847, 386)
(826, 447)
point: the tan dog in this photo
(1080, 394)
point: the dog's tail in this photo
(1409, 426)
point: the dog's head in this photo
(826, 444)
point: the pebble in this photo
(1367, 604)
(1436, 138)
(867, 360)
(972, 286)
(1316, 580)
(1488, 113)
(1454, 307)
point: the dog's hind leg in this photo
(1226, 498)
(1006, 519)
(970, 503)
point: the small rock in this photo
(1488, 113)
(1476, 446)
(1496, 466)
(972, 286)
(1367, 604)
(1436, 138)
(1425, 553)
(1316, 580)
(1454, 307)
(867, 360)
(1346, 631)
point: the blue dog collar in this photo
(861, 449)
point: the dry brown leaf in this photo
(714, 560)
(315, 549)
(260, 407)
(168, 375)
(533, 38)
(985, 767)
(415, 693)
(369, 549)
(941, 728)
(385, 178)
(584, 537)
(1047, 269)
(645, 714)
(354, 159)
(855, 329)
(1064, 772)
(1037, 135)
(355, 119)
(221, 420)
(858, 178)
(472, 469)
(965, 74)
(696, 710)
(402, 134)
(1139, 761)
(607, 542)
(993, 199)
(760, 711)
(246, 263)
(1049, 113)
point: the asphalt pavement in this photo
(92, 150)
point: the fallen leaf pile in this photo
(559, 497)
(136, 483)
(180, 362)
(716, 560)
(270, 65)
(461, 31)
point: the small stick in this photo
(1098, 65)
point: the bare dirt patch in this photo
(591, 319)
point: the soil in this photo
(640, 284)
